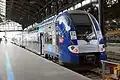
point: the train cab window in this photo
(83, 25)
(80, 19)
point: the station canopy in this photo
(27, 12)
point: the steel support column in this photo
(101, 17)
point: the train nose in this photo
(90, 58)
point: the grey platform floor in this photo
(19, 64)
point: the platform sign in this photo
(73, 35)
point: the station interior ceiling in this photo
(27, 12)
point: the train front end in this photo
(82, 40)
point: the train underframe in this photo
(91, 59)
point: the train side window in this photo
(48, 38)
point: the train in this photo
(71, 37)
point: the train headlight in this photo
(102, 48)
(74, 49)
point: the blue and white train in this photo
(72, 37)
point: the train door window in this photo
(46, 34)
(48, 38)
(53, 38)
(37, 29)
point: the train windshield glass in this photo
(83, 26)
(80, 19)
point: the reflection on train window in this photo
(83, 26)
(48, 38)
(37, 28)
(32, 29)
(95, 23)
(82, 30)
(80, 19)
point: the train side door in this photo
(41, 43)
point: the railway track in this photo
(92, 75)
(114, 57)
(113, 60)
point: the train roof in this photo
(51, 19)
(77, 11)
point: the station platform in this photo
(17, 63)
(113, 47)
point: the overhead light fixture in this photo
(21, 18)
(32, 2)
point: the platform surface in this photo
(113, 47)
(19, 64)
